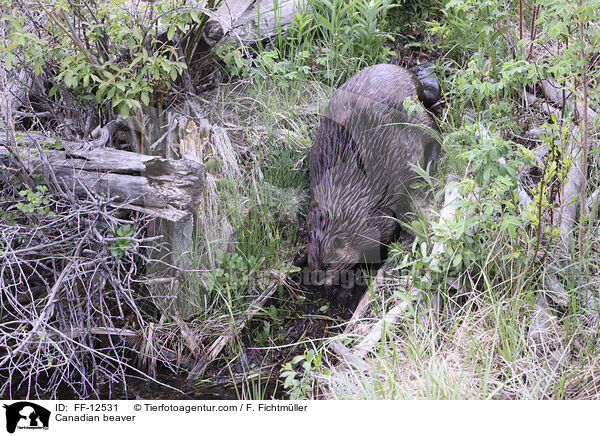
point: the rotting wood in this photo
(105, 331)
(371, 339)
(345, 354)
(568, 215)
(571, 190)
(555, 92)
(363, 304)
(239, 20)
(164, 188)
(14, 91)
(224, 18)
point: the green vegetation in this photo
(487, 332)
(507, 309)
(112, 57)
(498, 252)
(34, 201)
(330, 43)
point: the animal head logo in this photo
(24, 414)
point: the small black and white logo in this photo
(26, 415)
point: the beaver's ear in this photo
(339, 242)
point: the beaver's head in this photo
(336, 243)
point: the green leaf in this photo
(8, 61)
(124, 110)
(457, 261)
(145, 98)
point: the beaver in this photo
(360, 169)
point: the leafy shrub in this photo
(101, 51)
(335, 38)
(299, 374)
(487, 230)
(34, 201)
(231, 270)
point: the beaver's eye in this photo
(338, 242)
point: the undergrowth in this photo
(507, 310)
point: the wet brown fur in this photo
(360, 167)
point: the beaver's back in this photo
(360, 161)
(367, 135)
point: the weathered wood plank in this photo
(249, 21)
(167, 188)
(249, 29)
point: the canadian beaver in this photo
(360, 167)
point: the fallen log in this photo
(164, 188)
(247, 21)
